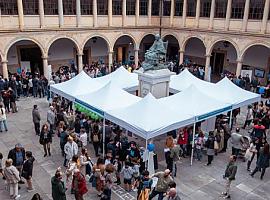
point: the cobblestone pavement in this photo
(196, 182)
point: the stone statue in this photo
(155, 57)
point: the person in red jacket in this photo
(183, 140)
(79, 185)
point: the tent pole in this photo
(103, 137)
(193, 138)
(230, 123)
(146, 143)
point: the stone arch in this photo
(210, 49)
(173, 35)
(143, 36)
(136, 45)
(54, 39)
(185, 41)
(14, 41)
(251, 44)
(109, 46)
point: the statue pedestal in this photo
(154, 81)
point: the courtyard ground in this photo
(197, 182)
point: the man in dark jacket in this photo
(18, 157)
(230, 173)
(58, 187)
(36, 119)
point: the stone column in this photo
(80, 62)
(110, 61)
(110, 12)
(149, 12)
(60, 13)
(45, 67)
(124, 12)
(95, 13)
(78, 12)
(41, 13)
(181, 56)
(212, 14)
(172, 13)
(136, 58)
(245, 18)
(239, 67)
(5, 68)
(197, 18)
(20, 14)
(137, 12)
(228, 15)
(207, 65)
(265, 16)
(184, 14)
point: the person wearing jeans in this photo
(3, 118)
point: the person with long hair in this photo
(99, 170)
(45, 139)
(263, 161)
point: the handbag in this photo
(216, 145)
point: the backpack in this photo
(95, 138)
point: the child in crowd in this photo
(118, 166)
(136, 175)
(127, 172)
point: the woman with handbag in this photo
(45, 139)
(27, 170)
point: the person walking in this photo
(230, 173)
(162, 186)
(58, 186)
(70, 149)
(210, 143)
(95, 137)
(236, 142)
(18, 157)
(263, 161)
(36, 119)
(51, 119)
(3, 118)
(27, 170)
(12, 177)
(79, 185)
(251, 152)
(174, 155)
(249, 117)
(46, 139)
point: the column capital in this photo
(4, 61)
(239, 60)
(110, 52)
(45, 57)
(136, 49)
(181, 51)
(208, 55)
(79, 54)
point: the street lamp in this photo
(161, 10)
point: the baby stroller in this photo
(245, 145)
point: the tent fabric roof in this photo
(229, 92)
(80, 84)
(149, 118)
(183, 80)
(106, 98)
(195, 102)
(121, 78)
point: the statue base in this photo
(154, 81)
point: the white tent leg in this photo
(230, 123)
(146, 143)
(103, 138)
(193, 138)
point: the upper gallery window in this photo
(9, 7)
(102, 7)
(220, 8)
(178, 9)
(238, 8)
(256, 8)
(69, 7)
(191, 8)
(51, 7)
(131, 7)
(117, 7)
(30, 7)
(143, 7)
(86, 7)
(205, 8)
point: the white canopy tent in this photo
(149, 118)
(121, 78)
(231, 93)
(183, 80)
(80, 84)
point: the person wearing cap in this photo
(236, 141)
(12, 177)
(162, 186)
(51, 118)
(36, 119)
(18, 157)
(70, 149)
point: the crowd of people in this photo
(123, 162)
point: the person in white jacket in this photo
(12, 177)
(70, 149)
(83, 138)
(3, 118)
